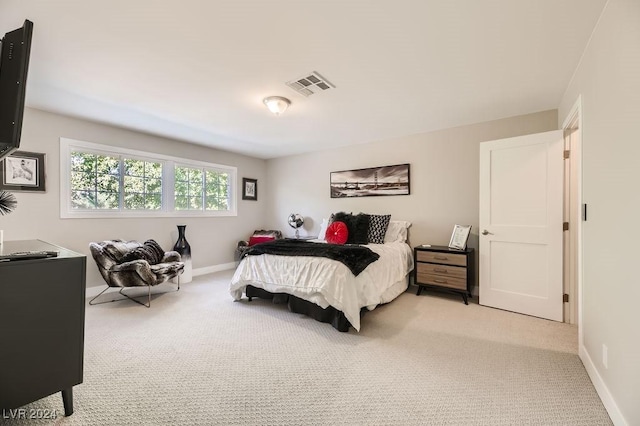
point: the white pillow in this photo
(397, 231)
(323, 229)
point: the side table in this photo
(444, 268)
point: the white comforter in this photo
(327, 282)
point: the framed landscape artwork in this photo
(23, 171)
(374, 181)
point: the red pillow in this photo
(261, 239)
(337, 233)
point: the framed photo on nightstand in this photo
(459, 237)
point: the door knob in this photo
(485, 232)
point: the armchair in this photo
(259, 236)
(132, 264)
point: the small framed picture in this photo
(459, 237)
(23, 171)
(250, 189)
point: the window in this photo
(216, 187)
(104, 181)
(94, 181)
(189, 185)
(142, 184)
(201, 188)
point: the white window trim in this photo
(66, 212)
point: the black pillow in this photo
(360, 232)
(347, 218)
(358, 226)
(149, 251)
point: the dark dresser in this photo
(42, 305)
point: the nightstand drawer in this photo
(444, 270)
(444, 258)
(442, 280)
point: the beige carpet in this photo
(197, 357)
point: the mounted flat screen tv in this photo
(14, 64)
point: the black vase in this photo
(182, 246)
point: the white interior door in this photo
(521, 202)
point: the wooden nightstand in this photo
(444, 268)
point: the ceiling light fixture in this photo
(277, 104)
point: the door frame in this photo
(573, 119)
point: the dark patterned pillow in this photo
(378, 224)
(149, 251)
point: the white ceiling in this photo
(197, 70)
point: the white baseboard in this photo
(94, 290)
(214, 268)
(601, 388)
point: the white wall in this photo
(608, 80)
(212, 239)
(444, 168)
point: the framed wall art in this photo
(374, 181)
(23, 171)
(250, 189)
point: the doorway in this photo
(521, 214)
(573, 215)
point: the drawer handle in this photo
(440, 257)
(442, 271)
(440, 281)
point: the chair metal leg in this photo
(148, 304)
(91, 302)
(99, 294)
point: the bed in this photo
(326, 289)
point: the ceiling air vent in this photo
(310, 84)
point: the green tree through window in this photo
(201, 189)
(142, 185)
(94, 181)
(216, 190)
(108, 181)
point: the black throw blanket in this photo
(354, 257)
